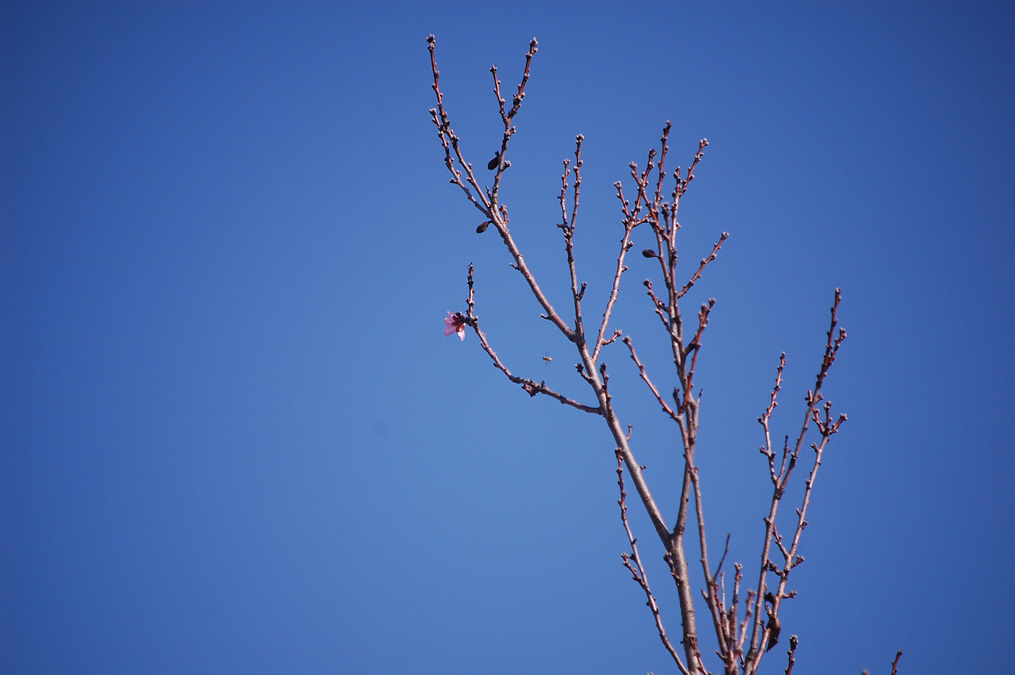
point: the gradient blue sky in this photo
(234, 440)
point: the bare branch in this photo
(508, 118)
(718, 569)
(568, 231)
(625, 246)
(644, 376)
(704, 263)
(530, 386)
(895, 663)
(682, 184)
(450, 141)
(487, 203)
(638, 570)
(760, 628)
(563, 192)
(695, 345)
(791, 558)
(766, 449)
(791, 654)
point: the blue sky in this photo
(234, 440)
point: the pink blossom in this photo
(454, 322)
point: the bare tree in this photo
(746, 628)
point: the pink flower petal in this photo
(452, 324)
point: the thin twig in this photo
(450, 141)
(644, 376)
(568, 232)
(704, 263)
(895, 663)
(791, 654)
(531, 387)
(508, 118)
(766, 449)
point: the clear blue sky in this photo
(234, 440)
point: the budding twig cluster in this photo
(745, 628)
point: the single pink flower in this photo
(454, 322)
